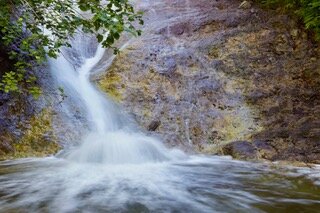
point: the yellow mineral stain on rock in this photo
(39, 140)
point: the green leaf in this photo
(100, 38)
(26, 32)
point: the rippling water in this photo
(196, 184)
(118, 168)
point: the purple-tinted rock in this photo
(241, 150)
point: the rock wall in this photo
(208, 76)
(26, 128)
(37, 128)
(206, 73)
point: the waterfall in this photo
(112, 138)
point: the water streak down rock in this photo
(113, 137)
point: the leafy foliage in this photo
(307, 10)
(32, 29)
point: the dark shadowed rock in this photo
(5, 145)
(241, 150)
(179, 28)
(153, 126)
(266, 151)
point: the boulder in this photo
(243, 150)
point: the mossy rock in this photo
(109, 84)
(38, 141)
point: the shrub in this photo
(306, 10)
(24, 23)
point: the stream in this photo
(117, 167)
(195, 184)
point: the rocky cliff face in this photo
(36, 128)
(208, 76)
(206, 73)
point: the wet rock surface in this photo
(212, 72)
(36, 128)
(241, 150)
(208, 76)
(25, 130)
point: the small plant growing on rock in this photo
(306, 10)
(33, 29)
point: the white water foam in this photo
(112, 138)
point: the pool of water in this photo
(195, 184)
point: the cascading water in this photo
(117, 168)
(113, 138)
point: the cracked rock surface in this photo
(210, 72)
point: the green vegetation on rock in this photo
(39, 139)
(34, 29)
(109, 84)
(307, 10)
